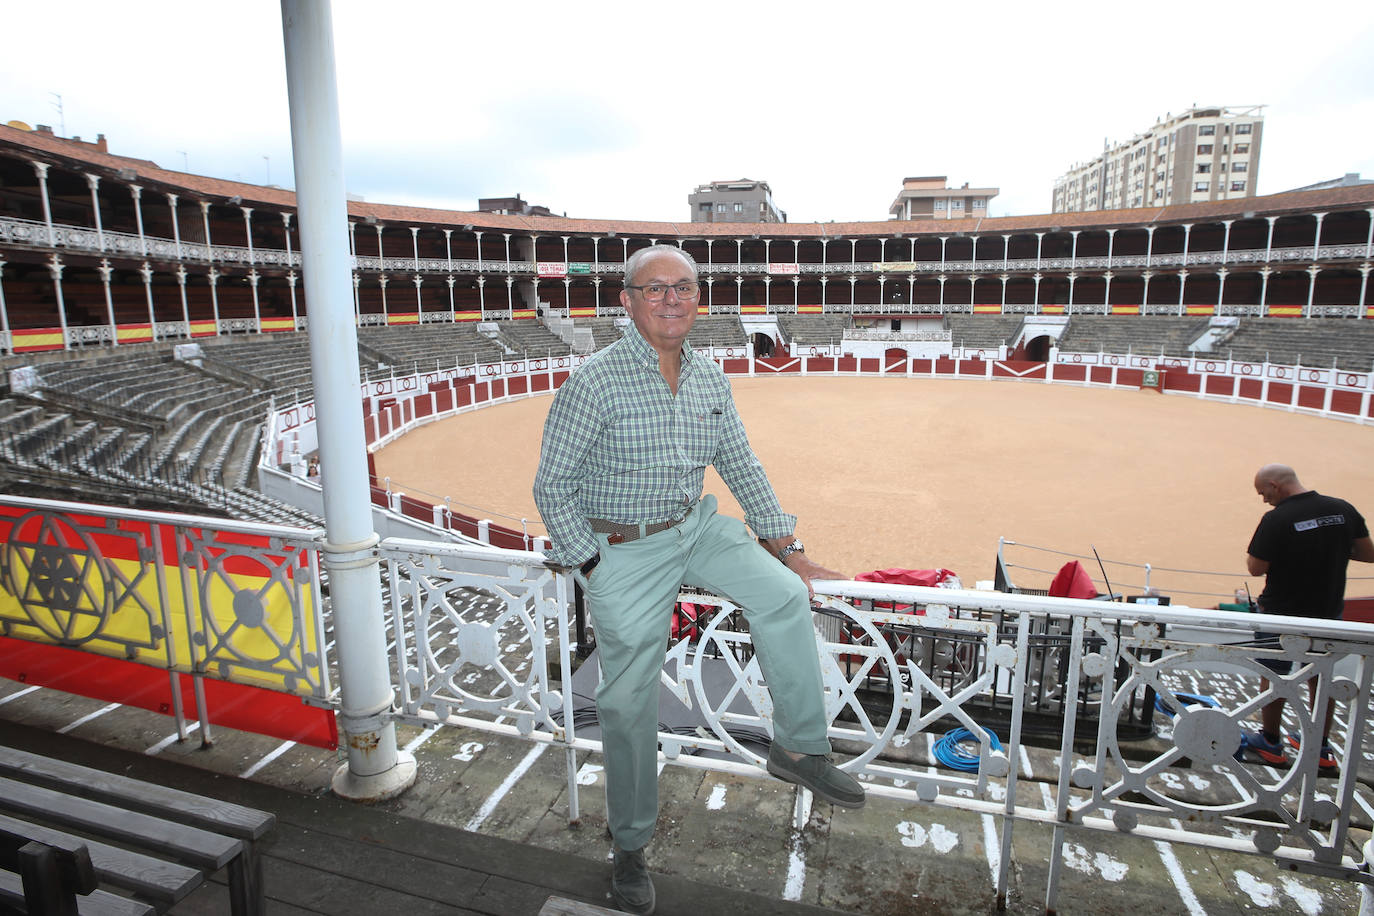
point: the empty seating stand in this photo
(148, 845)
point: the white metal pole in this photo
(375, 769)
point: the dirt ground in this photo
(925, 473)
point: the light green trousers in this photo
(631, 595)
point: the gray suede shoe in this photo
(631, 887)
(819, 774)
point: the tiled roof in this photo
(54, 150)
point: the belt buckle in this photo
(616, 538)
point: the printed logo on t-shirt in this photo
(1326, 521)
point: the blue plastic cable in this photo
(950, 750)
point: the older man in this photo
(626, 445)
(1302, 547)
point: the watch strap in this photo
(794, 547)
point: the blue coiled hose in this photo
(951, 750)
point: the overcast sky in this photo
(618, 110)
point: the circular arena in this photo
(1079, 384)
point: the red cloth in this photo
(926, 577)
(1072, 581)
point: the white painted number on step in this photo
(941, 838)
(588, 774)
(1079, 859)
(469, 750)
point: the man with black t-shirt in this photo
(1302, 547)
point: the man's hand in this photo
(801, 564)
(808, 569)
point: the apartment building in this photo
(1203, 154)
(930, 197)
(742, 201)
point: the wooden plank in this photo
(562, 906)
(149, 798)
(188, 844)
(97, 903)
(148, 876)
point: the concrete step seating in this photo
(1349, 342)
(1131, 333)
(812, 330)
(718, 331)
(983, 330)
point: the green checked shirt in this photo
(619, 446)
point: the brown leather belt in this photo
(621, 532)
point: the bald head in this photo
(1276, 482)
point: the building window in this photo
(1243, 128)
(1242, 149)
(979, 204)
(1240, 167)
(1237, 186)
(957, 204)
(720, 208)
(1207, 130)
(1204, 149)
(1204, 167)
(739, 208)
(939, 204)
(1201, 186)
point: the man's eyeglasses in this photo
(653, 292)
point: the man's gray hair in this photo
(635, 260)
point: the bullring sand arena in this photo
(927, 473)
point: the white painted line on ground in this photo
(1180, 879)
(512, 778)
(281, 749)
(87, 718)
(19, 693)
(171, 739)
(796, 853)
(992, 845)
(421, 738)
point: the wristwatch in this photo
(587, 567)
(794, 547)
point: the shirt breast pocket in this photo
(702, 425)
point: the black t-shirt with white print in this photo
(1307, 540)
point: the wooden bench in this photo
(168, 841)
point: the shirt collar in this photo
(640, 349)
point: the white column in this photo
(205, 225)
(1182, 283)
(419, 303)
(382, 281)
(1226, 241)
(1039, 246)
(1004, 293)
(1149, 245)
(1269, 240)
(93, 181)
(181, 287)
(176, 222)
(1317, 241)
(253, 282)
(291, 279)
(55, 267)
(415, 248)
(213, 277)
(4, 311)
(1221, 287)
(286, 226)
(1111, 242)
(41, 170)
(479, 251)
(248, 231)
(448, 250)
(1312, 272)
(452, 312)
(109, 301)
(376, 769)
(147, 272)
(482, 298)
(137, 193)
